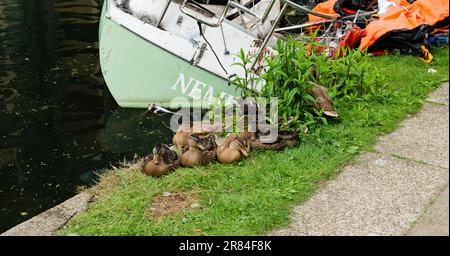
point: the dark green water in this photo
(58, 123)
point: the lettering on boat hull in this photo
(198, 90)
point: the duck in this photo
(209, 142)
(233, 149)
(201, 151)
(323, 101)
(276, 146)
(320, 93)
(285, 138)
(289, 138)
(181, 138)
(248, 136)
(162, 161)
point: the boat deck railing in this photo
(231, 4)
(213, 21)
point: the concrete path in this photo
(435, 220)
(401, 189)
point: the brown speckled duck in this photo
(323, 101)
(320, 93)
(233, 148)
(181, 138)
(201, 150)
(284, 139)
(162, 161)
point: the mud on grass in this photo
(168, 203)
(257, 195)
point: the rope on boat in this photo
(158, 110)
(210, 46)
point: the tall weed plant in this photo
(297, 67)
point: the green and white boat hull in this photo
(140, 73)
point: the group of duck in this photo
(192, 149)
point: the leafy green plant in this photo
(247, 83)
(297, 67)
(231, 115)
(288, 77)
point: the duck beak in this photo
(156, 160)
(331, 113)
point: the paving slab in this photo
(435, 221)
(379, 195)
(424, 137)
(388, 192)
(441, 95)
(48, 222)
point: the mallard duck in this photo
(208, 142)
(320, 93)
(181, 138)
(200, 152)
(246, 135)
(289, 138)
(323, 101)
(233, 148)
(284, 139)
(278, 145)
(162, 161)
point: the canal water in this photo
(59, 126)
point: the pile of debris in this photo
(381, 26)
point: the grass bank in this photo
(256, 196)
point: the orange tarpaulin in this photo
(328, 8)
(406, 16)
(325, 8)
(403, 16)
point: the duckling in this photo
(200, 152)
(233, 149)
(209, 142)
(162, 161)
(181, 138)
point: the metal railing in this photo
(243, 8)
(262, 19)
(219, 20)
(161, 17)
(286, 3)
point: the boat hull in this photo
(139, 73)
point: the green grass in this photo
(257, 195)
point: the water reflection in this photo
(57, 120)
